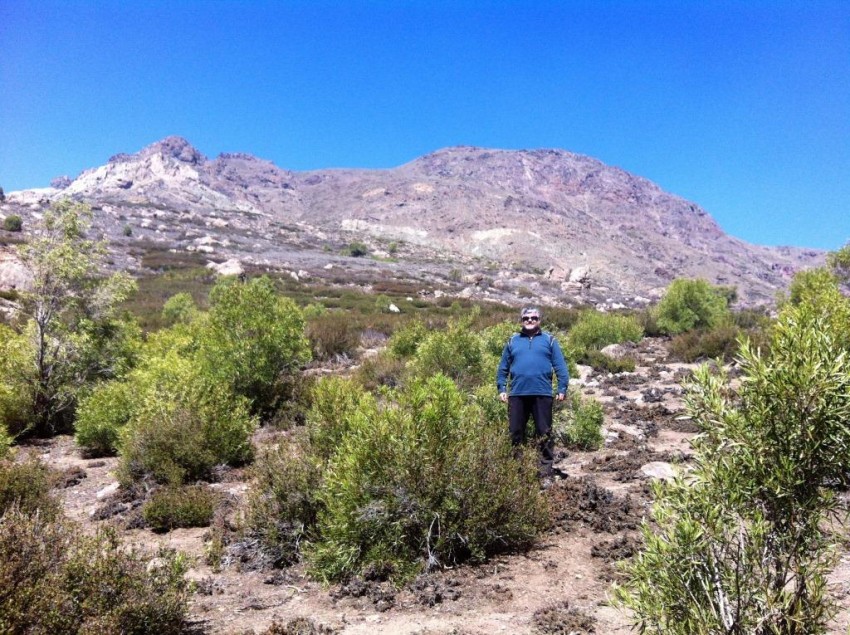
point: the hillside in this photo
(497, 224)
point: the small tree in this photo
(692, 304)
(739, 546)
(72, 329)
(251, 338)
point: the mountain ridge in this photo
(564, 227)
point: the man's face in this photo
(530, 322)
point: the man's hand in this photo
(503, 396)
(560, 396)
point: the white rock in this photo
(303, 274)
(13, 273)
(109, 489)
(230, 267)
(659, 470)
(330, 265)
(393, 308)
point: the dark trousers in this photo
(539, 407)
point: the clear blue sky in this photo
(742, 107)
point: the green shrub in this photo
(282, 505)
(13, 223)
(740, 545)
(356, 250)
(26, 487)
(101, 416)
(455, 352)
(16, 415)
(250, 337)
(578, 426)
(5, 443)
(179, 308)
(332, 335)
(595, 330)
(691, 304)
(421, 480)
(183, 425)
(404, 341)
(335, 401)
(57, 580)
(127, 230)
(173, 507)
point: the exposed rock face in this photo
(557, 223)
(13, 274)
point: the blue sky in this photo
(741, 107)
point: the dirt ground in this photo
(560, 586)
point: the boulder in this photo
(659, 470)
(13, 274)
(230, 267)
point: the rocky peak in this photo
(177, 148)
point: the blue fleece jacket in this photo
(528, 360)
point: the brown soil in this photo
(559, 586)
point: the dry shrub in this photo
(720, 342)
(26, 487)
(282, 507)
(333, 335)
(299, 626)
(560, 619)
(170, 508)
(54, 579)
(381, 370)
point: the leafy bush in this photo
(16, 414)
(282, 506)
(406, 340)
(335, 402)
(419, 481)
(250, 337)
(26, 487)
(174, 507)
(102, 414)
(692, 304)
(739, 545)
(57, 580)
(579, 425)
(182, 425)
(595, 330)
(13, 223)
(179, 308)
(333, 335)
(455, 352)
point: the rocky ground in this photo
(560, 586)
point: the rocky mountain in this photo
(546, 224)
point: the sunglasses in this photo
(531, 318)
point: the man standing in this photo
(527, 361)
